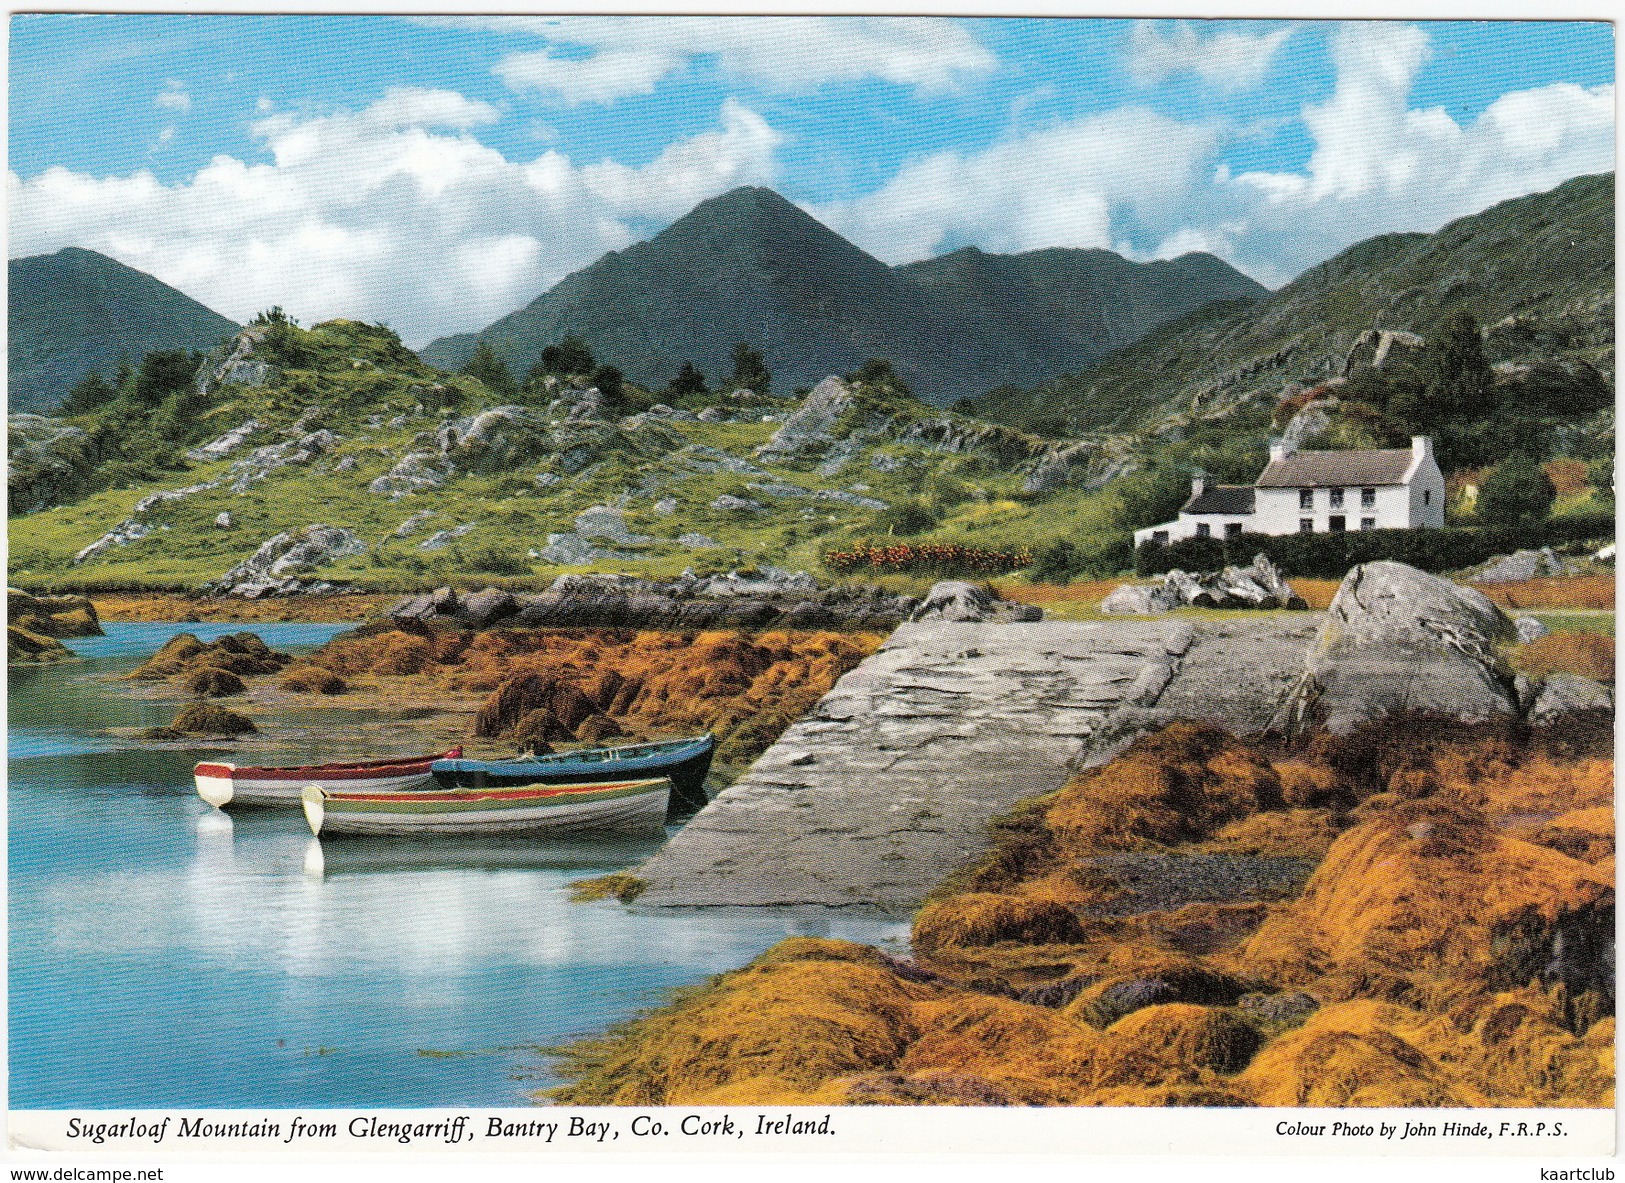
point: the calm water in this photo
(164, 955)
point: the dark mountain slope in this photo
(750, 266)
(77, 311)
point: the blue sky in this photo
(435, 173)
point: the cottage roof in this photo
(1228, 499)
(1310, 469)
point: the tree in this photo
(689, 380)
(611, 384)
(1455, 379)
(1152, 496)
(92, 392)
(1515, 490)
(569, 356)
(489, 368)
(750, 369)
(162, 372)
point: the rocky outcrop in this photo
(761, 600)
(273, 568)
(234, 363)
(1373, 348)
(48, 462)
(811, 429)
(224, 445)
(957, 601)
(1399, 640)
(1258, 585)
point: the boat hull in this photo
(636, 806)
(684, 764)
(226, 784)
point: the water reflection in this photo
(166, 955)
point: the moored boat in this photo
(682, 761)
(625, 806)
(227, 784)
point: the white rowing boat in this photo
(228, 784)
(636, 806)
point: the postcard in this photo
(607, 588)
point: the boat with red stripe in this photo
(627, 806)
(222, 784)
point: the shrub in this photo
(1515, 490)
(1329, 556)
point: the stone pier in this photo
(888, 784)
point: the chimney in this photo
(1198, 482)
(1280, 450)
(1421, 447)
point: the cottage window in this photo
(1231, 529)
(1203, 530)
(1368, 523)
(1335, 523)
(1427, 496)
(1160, 537)
(1368, 499)
(1306, 499)
(1306, 525)
(1337, 499)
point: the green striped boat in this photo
(620, 805)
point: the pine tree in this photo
(489, 368)
(750, 369)
(689, 380)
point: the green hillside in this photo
(750, 266)
(439, 478)
(78, 312)
(1537, 272)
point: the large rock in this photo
(956, 601)
(1521, 565)
(1397, 639)
(52, 616)
(810, 429)
(48, 462)
(1563, 694)
(273, 568)
(1140, 599)
(225, 444)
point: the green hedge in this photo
(1329, 556)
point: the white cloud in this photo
(1062, 186)
(630, 55)
(1228, 59)
(394, 213)
(173, 97)
(1377, 165)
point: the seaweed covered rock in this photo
(1428, 892)
(205, 718)
(1173, 1043)
(242, 654)
(990, 918)
(1178, 784)
(52, 616)
(27, 648)
(802, 1015)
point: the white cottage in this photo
(1316, 492)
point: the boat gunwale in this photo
(382, 767)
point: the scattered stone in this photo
(441, 539)
(1259, 585)
(1521, 565)
(546, 480)
(223, 520)
(1529, 629)
(1563, 694)
(697, 541)
(484, 607)
(123, 534)
(728, 502)
(224, 445)
(411, 524)
(414, 471)
(809, 428)
(666, 506)
(347, 464)
(712, 415)
(602, 521)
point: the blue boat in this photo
(683, 761)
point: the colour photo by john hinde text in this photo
(572, 578)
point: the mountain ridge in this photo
(77, 311)
(750, 266)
